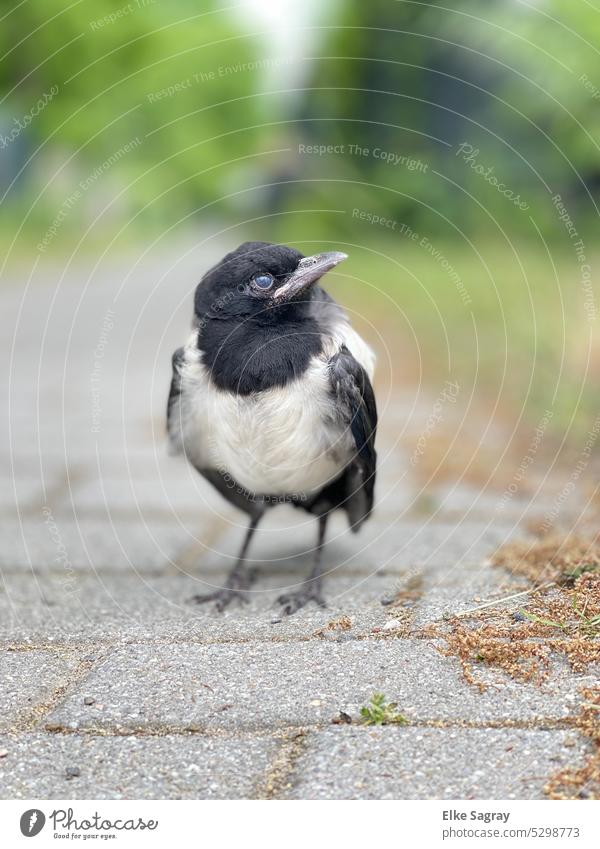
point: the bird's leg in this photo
(239, 579)
(311, 591)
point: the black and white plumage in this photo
(271, 398)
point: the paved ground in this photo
(114, 686)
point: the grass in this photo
(589, 624)
(514, 328)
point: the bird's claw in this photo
(234, 590)
(222, 598)
(292, 602)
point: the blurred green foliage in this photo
(514, 81)
(165, 74)
(522, 338)
(381, 81)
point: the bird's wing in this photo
(356, 405)
(173, 408)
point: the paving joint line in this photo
(287, 732)
(141, 641)
(56, 492)
(279, 774)
(31, 717)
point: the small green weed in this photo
(380, 712)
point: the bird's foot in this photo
(234, 590)
(292, 602)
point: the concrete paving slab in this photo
(112, 607)
(29, 679)
(380, 544)
(250, 686)
(116, 608)
(23, 492)
(431, 763)
(51, 542)
(184, 493)
(180, 767)
(448, 591)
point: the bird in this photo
(271, 401)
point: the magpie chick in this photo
(271, 399)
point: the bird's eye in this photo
(263, 281)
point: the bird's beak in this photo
(310, 269)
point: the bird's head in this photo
(259, 279)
